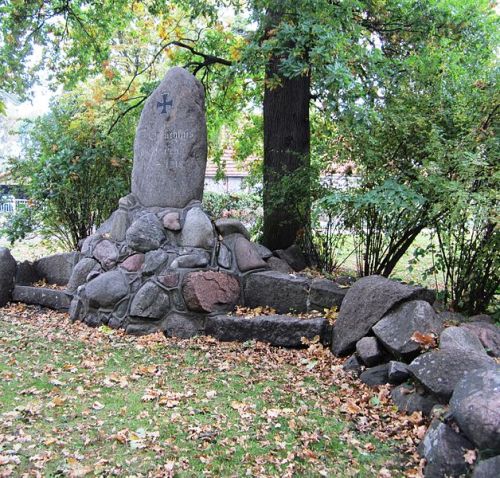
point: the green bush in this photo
(72, 171)
(246, 207)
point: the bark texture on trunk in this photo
(286, 149)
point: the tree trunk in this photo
(287, 200)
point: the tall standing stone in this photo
(170, 150)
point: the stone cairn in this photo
(158, 263)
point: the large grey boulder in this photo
(365, 303)
(368, 350)
(462, 339)
(377, 375)
(80, 272)
(444, 451)
(408, 399)
(439, 371)
(396, 329)
(150, 302)
(247, 256)
(198, 230)
(106, 253)
(279, 265)
(107, 289)
(57, 269)
(228, 226)
(278, 330)
(293, 256)
(475, 406)
(326, 294)
(26, 274)
(7, 275)
(488, 334)
(487, 468)
(282, 292)
(398, 372)
(154, 260)
(170, 149)
(145, 233)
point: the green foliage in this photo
(246, 207)
(404, 91)
(73, 172)
(384, 221)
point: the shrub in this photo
(72, 171)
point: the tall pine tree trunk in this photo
(286, 151)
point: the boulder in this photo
(326, 294)
(170, 148)
(198, 230)
(398, 372)
(481, 318)
(143, 328)
(145, 233)
(352, 364)
(448, 318)
(368, 350)
(88, 244)
(107, 289)
(120, 222)
(183, 326)
(169, 278)
(460, 338)
(8, 268)
(439, 371)
(293, 256)
(76, 309)
(475, 405)
(374, 376)
(228, 226)
(51, 298)
(247, 257)
(191, 261)
(80, 273)
(210, 291)
(487, 468)
(153, 261)
(224, 257)
(395, 329)
(133, 263)
(409, 399)
(172, 221)
(57, 269)
(279, 265)
(444, 451)
(106, 253)
(263, 251)
(150, 302)
(365, 303)
(282, 292)
(26, 274)
(488, 334)
(278, 330)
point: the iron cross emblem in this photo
(163, 104)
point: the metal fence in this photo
(10, 204)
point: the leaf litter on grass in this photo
(77, 402)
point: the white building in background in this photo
(235, 174)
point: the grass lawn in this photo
(77, 402)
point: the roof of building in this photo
(232, 168)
